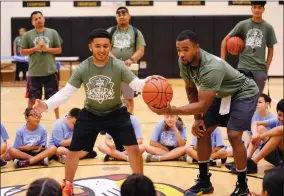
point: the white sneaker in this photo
(189, 159)
(62, 158)
(218, 163)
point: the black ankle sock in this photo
(203, 169)
(242, 178)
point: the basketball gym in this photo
(160, 22)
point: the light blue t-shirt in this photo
(167, 138)
(24, 137)
(60, 132)
(4, 134)
(216, 139)
(136, 126)
(256, 117)
(273, 122)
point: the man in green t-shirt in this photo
(41, 44)
(101, 76)
(257, 34)
(218, 95)
(128, 45)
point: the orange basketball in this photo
(157, 93)
(235, 45)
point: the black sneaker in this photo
(241, 191)
(108, 158)
(230, 165)
(202, 186)
(22, 163)
(251, 167)
(91, 155)
(3, 163)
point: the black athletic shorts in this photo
(276, 157)
(88, 126)
(35, 84)
(239, 117)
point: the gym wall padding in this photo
(159, 32)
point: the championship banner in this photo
(139, 3)
(87, 3)
(36, 3)
(239, 2)
(189, 3)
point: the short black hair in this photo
(138, 185)
(44, 187)
(28, 111)
(280, 106)
(121, 8)
(266, 98)
(261, 3)
(34, 13)
(99, 33)
(188, 34)
(273, 181)
(74, 112)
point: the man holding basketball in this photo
(224, 97)
(101, 76)
(257, 34)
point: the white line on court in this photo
(5, 92)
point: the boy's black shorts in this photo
(88, 126)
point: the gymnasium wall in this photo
(273, 14)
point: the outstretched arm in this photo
(56, 100)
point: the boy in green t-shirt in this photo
(257, 34)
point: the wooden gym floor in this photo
(170, 178)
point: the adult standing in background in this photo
(41, 44)
(20, 66)
(128, 45)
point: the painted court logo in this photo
(100, 186)
(100, 88)
(254, 38)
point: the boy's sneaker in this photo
(241, 191)
(216, 162)
(189, 159)
(108, 158)
(44, 162)
(19, 164)
(251, 167)
(230, 165)
(91, 155)
(3, 163)
(202, 186)
(182, 158)
(67, 188)
(152, 158)
(62, 158)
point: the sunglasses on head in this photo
(121, 12)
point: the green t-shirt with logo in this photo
(215, 74)
(102, 84)
(257, 37)
(17, 43)
(41, 63)
(123, 42)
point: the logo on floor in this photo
(100, 186)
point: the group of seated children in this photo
(265, 140)
(168, 140)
